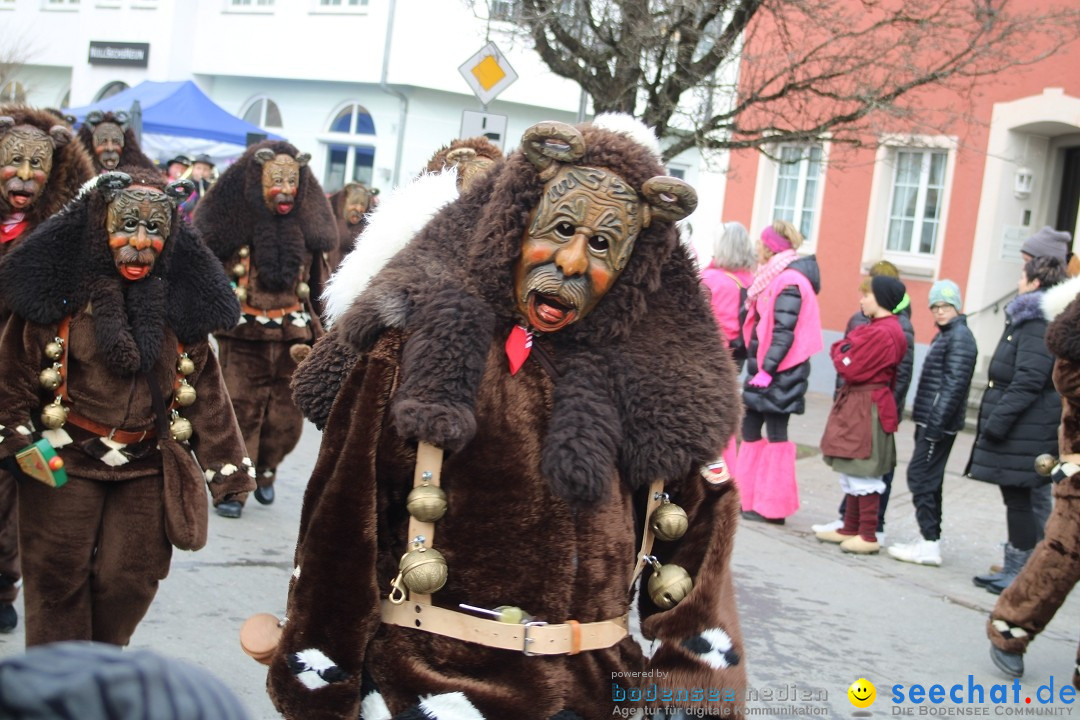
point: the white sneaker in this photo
(826, 527)
(920, 552)
(881, 538)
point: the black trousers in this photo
(1024, 527)
(925, 476)
(775, 426)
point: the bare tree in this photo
(725, 74)
(15, 52)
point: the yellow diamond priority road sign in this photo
(488, 73)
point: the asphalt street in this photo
(815, 620)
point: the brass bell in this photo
(54, 415)
(241, 294)
(1045, 464)
(185, 365)
(239, 270)
(185, 394)
(49, 378)
(54, 350)
(426, 503)
(669, 585)
(180, 429)
(244, 251)
(423, 570)
(668, 521)
(303, 290)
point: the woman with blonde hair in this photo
(728, 276)
(782, 330)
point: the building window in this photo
(915, 204)
(342, 4)
(249, 5)
(13, 91)
(263, 112)
(350, 148)
(60, 4)
(798, 175)
(113, 88)
(506, 10)
(7, 4)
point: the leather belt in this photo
(533, 638)
(124, 436)
(274, 313)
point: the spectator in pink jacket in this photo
(728, 276)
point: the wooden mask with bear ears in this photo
(280, 178)
(26, 160)
(139, 220)
(108, 137)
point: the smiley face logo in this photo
(862, 693)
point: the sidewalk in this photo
(973, 522)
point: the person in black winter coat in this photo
(938, 412)
(900, 390)
(1019, 416)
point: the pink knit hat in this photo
(774, 240)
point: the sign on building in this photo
(119, 53)
(488, 73)
(478, 124)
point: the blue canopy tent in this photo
(177, 117)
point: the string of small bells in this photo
(240, 272)
(423, 570)
(54, 415)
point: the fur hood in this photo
(66, 263)
(71, 165)
(643, 384)
(131, 156)
(1062, 304)
(234, 214)
(1026, 306)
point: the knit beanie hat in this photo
(1048, 242)
(946, 291)
(94, 681)
(889, 293)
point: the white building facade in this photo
(371, 88)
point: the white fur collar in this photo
(1057, 298)
(399, 216)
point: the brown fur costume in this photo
(95, 549)
(70, 169)
(255, 354)
(1028, 604)
(347, 232)
(130, 157)
(546, 480)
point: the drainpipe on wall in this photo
(403, 101)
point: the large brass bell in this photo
(426, 503)
(185, 365)
(1045, 464)
(668, 521)
(422, 570)
(244, 251)
(54, 415)
(241, 294)
(239, 270)
(54, 350)
(303, 290)
(669, 585)
(185, 394)
(49, 378)
(180, 429)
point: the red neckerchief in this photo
(518, 347)
(12, 227)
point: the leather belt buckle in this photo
(527, 640)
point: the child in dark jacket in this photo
(858, 441)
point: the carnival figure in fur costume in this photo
(1028, 604)
(541, 360)
(40, 170)
(111, 142)
(267, 219)
(351, 205)
(451, 171)
(106, 363)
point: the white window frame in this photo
(60, 5)
(259, 98)
(768, 179)
(233, 6)
(326, 139)
(317, 8)
(875, 244)
(19, 89)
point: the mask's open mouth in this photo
(547, 313)
(20, 199)
(134, 272)
(283, 207)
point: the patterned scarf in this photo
(767, 273)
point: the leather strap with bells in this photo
(428, 471)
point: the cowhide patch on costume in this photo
(445, 706)
(1009, 632)
(314, 669)
(714, 648)
(295, 319)
(373, 707)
